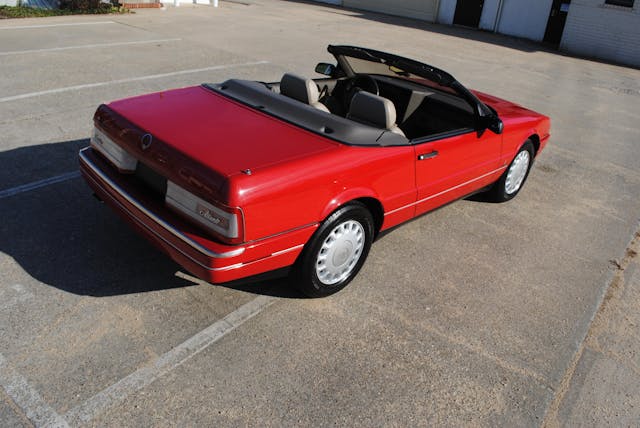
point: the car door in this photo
(454, 166)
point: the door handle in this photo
(429, 155)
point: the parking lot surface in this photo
(522, 313)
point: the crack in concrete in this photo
(475, 348)
(550, 419)
(16, 409)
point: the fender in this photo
(347, 196)
(519, 140)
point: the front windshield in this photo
(362, 66)
(369, 61)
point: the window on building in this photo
(625, 3)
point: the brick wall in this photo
(603, 31)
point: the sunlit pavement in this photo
(522, 313)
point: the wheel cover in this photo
(340, 252)
(517, 172)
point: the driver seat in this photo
(374, 110)
(301, 89)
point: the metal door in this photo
(453, 167)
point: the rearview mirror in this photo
(494, 124)
(325, 69)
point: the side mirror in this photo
(494, 124)
(325, 69)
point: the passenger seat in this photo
(374, 110)
(301, 89)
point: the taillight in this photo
(113, 152)
(225, 222)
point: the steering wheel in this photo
(359, 82)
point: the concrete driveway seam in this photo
(476, 348)
(550, 419)
(167, 362)
(91, 46)
(127, 80)
(498, 303)
(27, 398)
(38, 184)
(69, 24)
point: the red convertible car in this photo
(243, 178)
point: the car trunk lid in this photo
(220, 133)
(200, 139)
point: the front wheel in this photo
(336, 251)
(512, 180)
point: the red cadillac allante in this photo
(243, 178)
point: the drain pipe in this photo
(496, 21)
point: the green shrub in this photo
(93, 7)
(84, 5)
(27, 12)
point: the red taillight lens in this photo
(225, 222)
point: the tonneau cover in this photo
(258, 96)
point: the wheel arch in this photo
(535, 140)
(363, 196)
(377, 211)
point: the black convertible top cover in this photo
(260, 97)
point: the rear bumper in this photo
(184, 243)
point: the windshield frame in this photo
(342, 53)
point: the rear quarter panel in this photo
(294, 194)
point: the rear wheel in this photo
(512, 180)
(336, 252)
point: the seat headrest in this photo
(372, 110)
(299, 88)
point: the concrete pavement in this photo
(476, 314)
(601, 385)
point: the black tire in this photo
(504, 189)
(336, 251)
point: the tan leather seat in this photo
(301, 89)
(375, 111)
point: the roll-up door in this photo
(418, 9)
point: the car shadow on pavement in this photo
(60, 235)
(280, 286)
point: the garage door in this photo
(419, 9)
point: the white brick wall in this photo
(603, 31)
